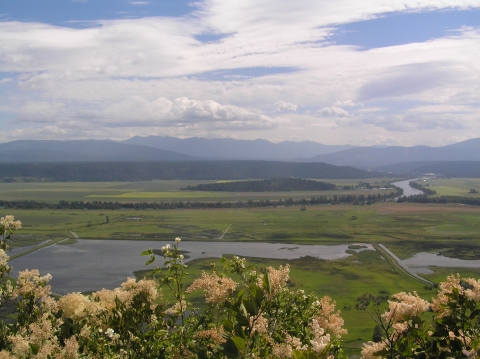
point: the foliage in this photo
(271, 185)
(452, 332)
(171, 170)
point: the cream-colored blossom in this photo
(31, 284)
(6, 355)
(446, 288)
(278, 279)
(329, 319)
(282, 350)
(70, 350)
(216, 288)
(177, 308)
(212, 336)
(74, 305)
(407, 305)
(4, 259)
(20, 346)
(474, 292)
(369, 349)
(295, 342)
(259, 324)
(320, 340)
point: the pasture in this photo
(454, 186)
(149, 191)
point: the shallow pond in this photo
(421, 262)
(91, 265)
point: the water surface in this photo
(407, 190)
(91, 265)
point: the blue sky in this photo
(371, 73)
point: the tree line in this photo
(268, 185)
(422, 198)
(424, 189)
(94, 205)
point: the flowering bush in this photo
(453, 332)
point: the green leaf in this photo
(239, 342)
(150, 261)
(148, 252)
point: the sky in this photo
(370, 72)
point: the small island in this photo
(267, 185)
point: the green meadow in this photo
(52, 192)
(454, 186)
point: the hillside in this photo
(469, 169)
(268, 185)
(84, 151)
(188, 170)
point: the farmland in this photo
(454, 186)
(52, 192)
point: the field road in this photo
(389, 256)
(224, 233)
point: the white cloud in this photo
(333, 111)
(347, 103)
(285, 106)
(161, 112)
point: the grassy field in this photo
(454, 186)
(52, 192)
(405, 228)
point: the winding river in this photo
(407, 190)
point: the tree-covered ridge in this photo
(282, 184)
(182, 170)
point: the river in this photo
(407, 190)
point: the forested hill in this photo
(184, 170)
(268, 185)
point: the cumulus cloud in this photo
(347, 103)
(285, 106)
(333, 111)
(162, 112)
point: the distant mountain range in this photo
(230, 149)
(83, 151)
(372, 158)
(161, 149)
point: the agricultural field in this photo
(454, 186)
(149, 191)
